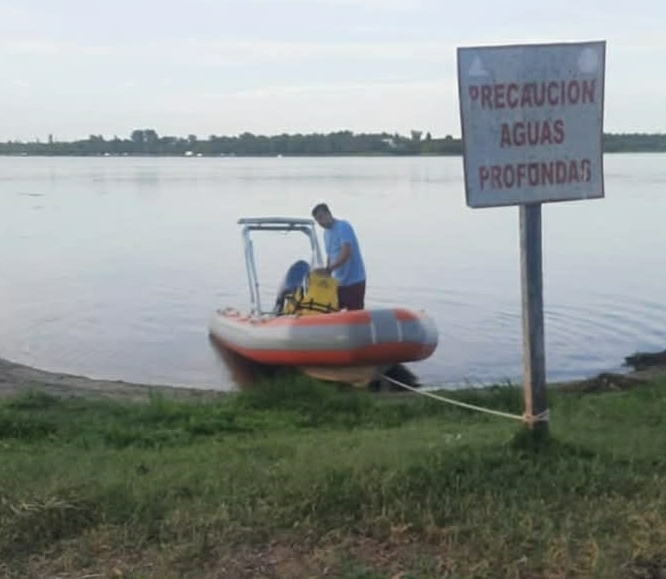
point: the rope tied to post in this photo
(525, 417)
(534, 418)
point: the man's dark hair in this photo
(320, 207)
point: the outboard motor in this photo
(295, 277)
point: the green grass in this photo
(299, 479)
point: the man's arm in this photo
(345, 254)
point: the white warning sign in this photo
(532, 122)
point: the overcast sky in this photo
(79, 67)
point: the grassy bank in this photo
(302, 480)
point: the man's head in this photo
(322, 215)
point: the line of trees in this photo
(148, 142)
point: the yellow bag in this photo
(320, 296)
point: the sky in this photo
(72, 68)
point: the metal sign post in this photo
(532, 131)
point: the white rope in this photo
(529, 418)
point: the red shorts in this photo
(352, 296)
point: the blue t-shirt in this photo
(353, 270)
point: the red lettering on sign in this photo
(486, 93)
(532, 133)
(553, 93)
(496, 173)
(512, 95)
(536, 174)
(484, 175)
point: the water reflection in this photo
(244, 372)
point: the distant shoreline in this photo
(147, 143)
(301, 156)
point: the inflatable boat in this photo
(304, 328)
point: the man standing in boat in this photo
(344, 261)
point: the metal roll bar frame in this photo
(286, 224)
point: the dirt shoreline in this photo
(18, 378)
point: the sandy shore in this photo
(16, 378)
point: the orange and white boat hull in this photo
(379, 336)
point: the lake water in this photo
(111, 267)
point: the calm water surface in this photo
(111, 267)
